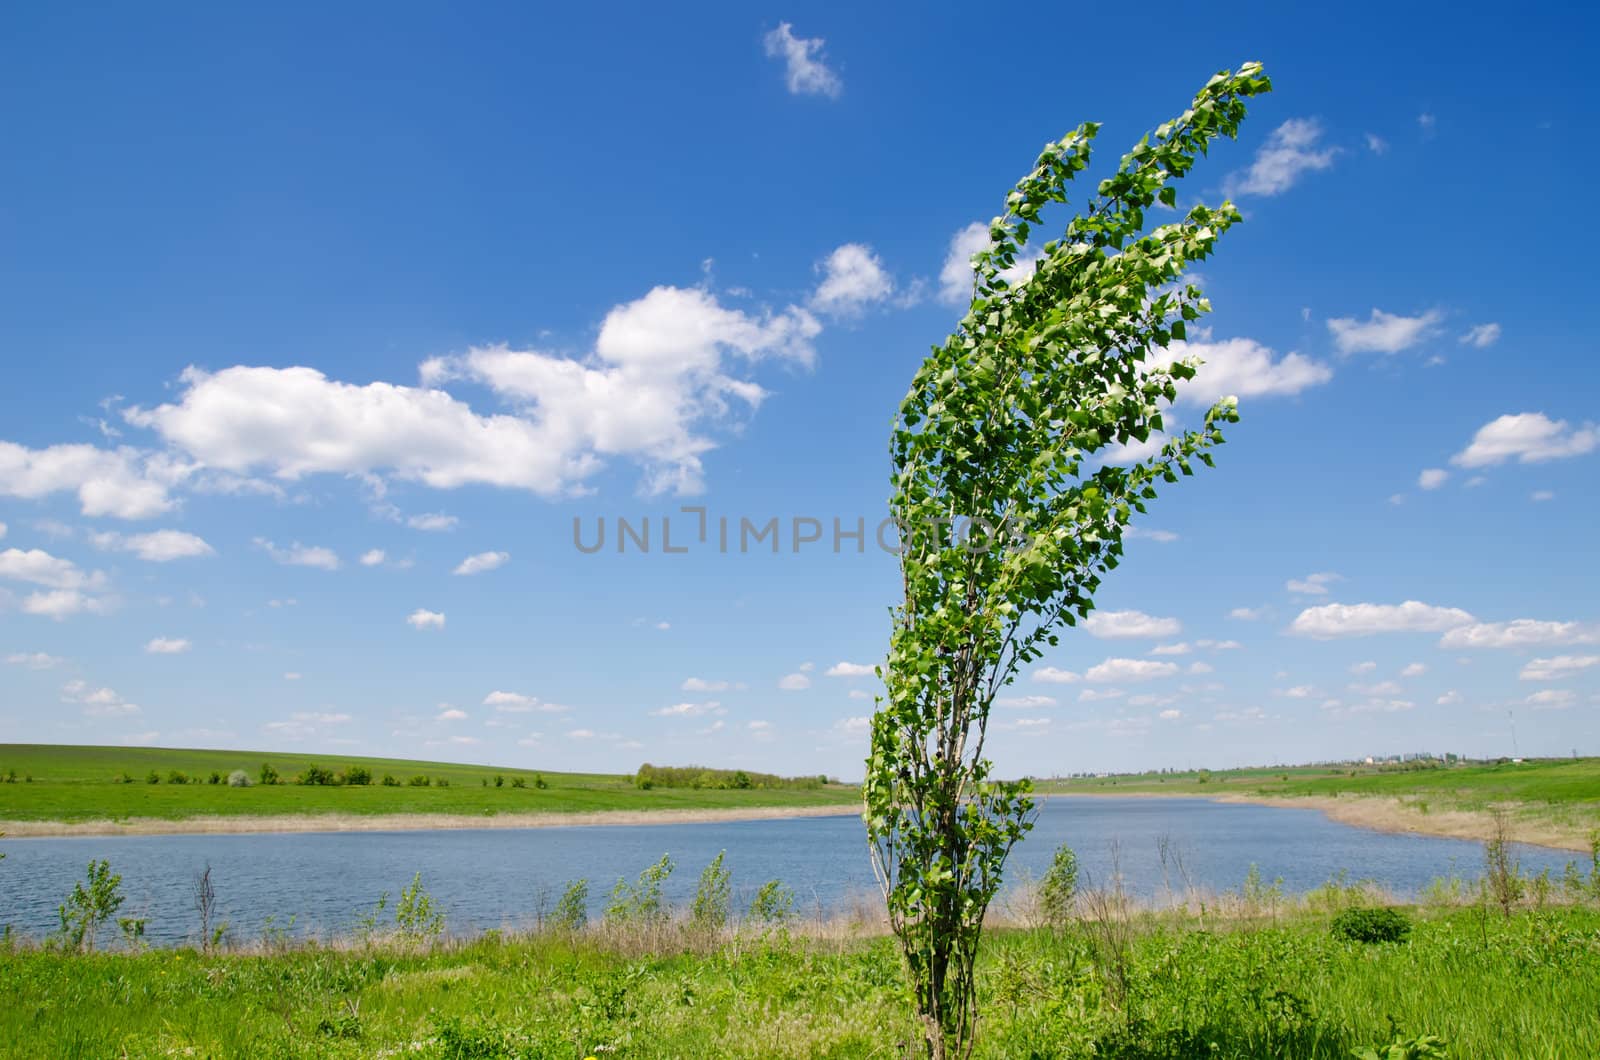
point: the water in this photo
(493, 878)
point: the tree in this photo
(88, 907)
(1000, 432)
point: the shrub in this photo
(417, 915)
(640, 902)
(418, 781)
(539, 781)
(317, 776)
(268, 774)
(442, 782)
(519, 782)
(710, 909)
(499, 781)
(88, 907)
(152, 777)
(1058, 891)
(177, 776)
(239, 779)
(1372, 925)
(773, 903)
(214, 778)
(123, 778)
(572, 912)
(389, 781)
(360, 776)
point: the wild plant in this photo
(709, 913)
(417, 915)
(640, 903)
(572, 911)
(89, 907)
(773, 904)
(1058, 891)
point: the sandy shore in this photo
(407, 822)
(1386, 813)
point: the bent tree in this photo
(1009, 517)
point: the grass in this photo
(1522, 987)
(1548, 800)
(71, 784)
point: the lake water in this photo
(491, 878)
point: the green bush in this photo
(268, 774)
(317, 776)
(152, 777)
(360, 776)
(215, 777)
(239, 779)
(1372, 925)
(177, 776)
(418, 781)
(1058, 891)
(519, 782)
(572, 912)
(389, 781)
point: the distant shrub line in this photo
(700, 777)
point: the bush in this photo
(152, 777)
(773, 903)
(316, 776)
(360, 776)
(1058, 891)
(539, 781)
(710, 910)
(177, 776)
(389, 781)
(572, 912)
(239, 779)
(1372, 925)
(641, 903)
(518, 782)
(418, 781)
(214, 778)
(268, 774)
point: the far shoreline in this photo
(1381, 813)
(280, 824)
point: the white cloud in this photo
(372, 557)
(1201, 668)
(483, 561)
(1557, 667)
(167, 646)
(700, 684)
(1025, 702)
(1170, 715)
(1363, 667)
(34, 660)
(1290, 152)
(853, 277)
(1121, 624)
(955, 276)
(1449, 699)
(1248, 614)
(1360, 620)
(1181, 648)
(1050, 675)
(422, 618)
(1432, 478)
(517, 703)
(1377, 144)
(123, 483)
(1313, 584)
(689, 710)
(1551, 699)
(1481, 335)
(1528, 438)
(298, 555)
(450, 713)
(1299, 692)
(1241, 367)
(159, 546)
(97, 702)
(805, 72)
(856, 726)
(1165, 537)
(1539, 496)
(1415, 669)
(1377, 688)
(41, 568)
(796, 682)
(433, 522)
(1382, 332)
(850, 669)
(1521, 633)
(1100, 695)
(60, 604)
(1129, 670)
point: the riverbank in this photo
(1285, 985)
(408, 822)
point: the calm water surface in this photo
(490, 878)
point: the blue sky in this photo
(321, 328)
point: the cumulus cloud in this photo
(1025, 702)
(689, 710)
(955, 276)
(1557, 667)
(850, 669)
(701, 684)
(373, 557)
(1360, 620)
(422, 618)
(298, 555)
(1528, 438)
(1121, 624)
(1241, 367)
(1551, 699)
(1051, 675)
(1313, 584)
(34, 660)
(518, 703)
(167, 646)
(853, 277)
(97, 702)
(805, 71)
(482, 562)
(1432, 478)
(159, 546)
(1289, 153)
(433, 522)
(1415, 669)
(41, 568)
(1520, 633)
(795, 682)
(1382, 332)
(1481, 335)
(1118, 671)
(123, 483)
(1248, 614)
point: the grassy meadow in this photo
(41, 782)
(1158, 985)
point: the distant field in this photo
(1553, 801)
(79, 784)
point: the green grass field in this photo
(1526, 987)
(79, 784)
